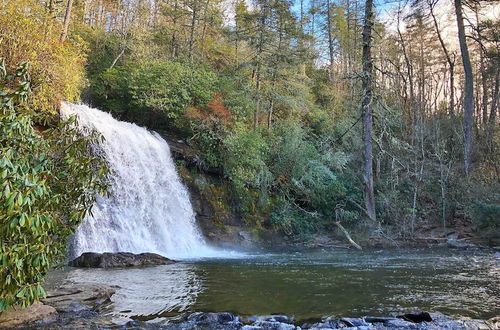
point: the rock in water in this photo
(119, 259)
(416, 317)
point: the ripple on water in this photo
(306, 285)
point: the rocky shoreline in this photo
(84, 306)
(70, 306)
(223, 321)
(87, 306)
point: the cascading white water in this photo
(148, 209)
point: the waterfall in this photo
(148, 208)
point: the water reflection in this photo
(339, 283)
(144, 293)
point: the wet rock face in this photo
(119, 259)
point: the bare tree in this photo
(367, 106)
(330, 37)
(468, 88)
(449, 60)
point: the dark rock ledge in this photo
(118, 259)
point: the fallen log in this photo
(346, 233)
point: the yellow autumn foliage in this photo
(28, 32)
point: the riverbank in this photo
(82, 318)
(219, 217)
(309, 286)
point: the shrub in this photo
(148, 90)
(305, 178)
(486, 216)
(48, 182)
(245, 162)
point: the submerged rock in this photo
(273, 318)
(270, 325)
(118, 259)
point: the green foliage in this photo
(48, 182)
(159, 89)
(245, 163)
(306, 171)
(296, 169)
(293, 221)
(486, 215)
(265, 109)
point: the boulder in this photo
(118, 259)
(18, 316)
(459, 244)
(416, 317)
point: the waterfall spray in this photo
(148, 208)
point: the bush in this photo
(47, 184)
(146, 91)
(486, 216)
(305, 177)
(245, 162)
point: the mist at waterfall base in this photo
(148, 207)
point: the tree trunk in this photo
(192, 28)
(260, 48)
(330, 38)
(257, 101)
(482, 71)
(173, 43)
(468, 88)
(275, 76)
(409, 70)
(367, 83)
(451, 63)
(493, 110)
(67, 18)
(204, 30)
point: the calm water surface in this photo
(306, 285)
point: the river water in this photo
(305, 285)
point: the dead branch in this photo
(356, 245)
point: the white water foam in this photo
(148, 208)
